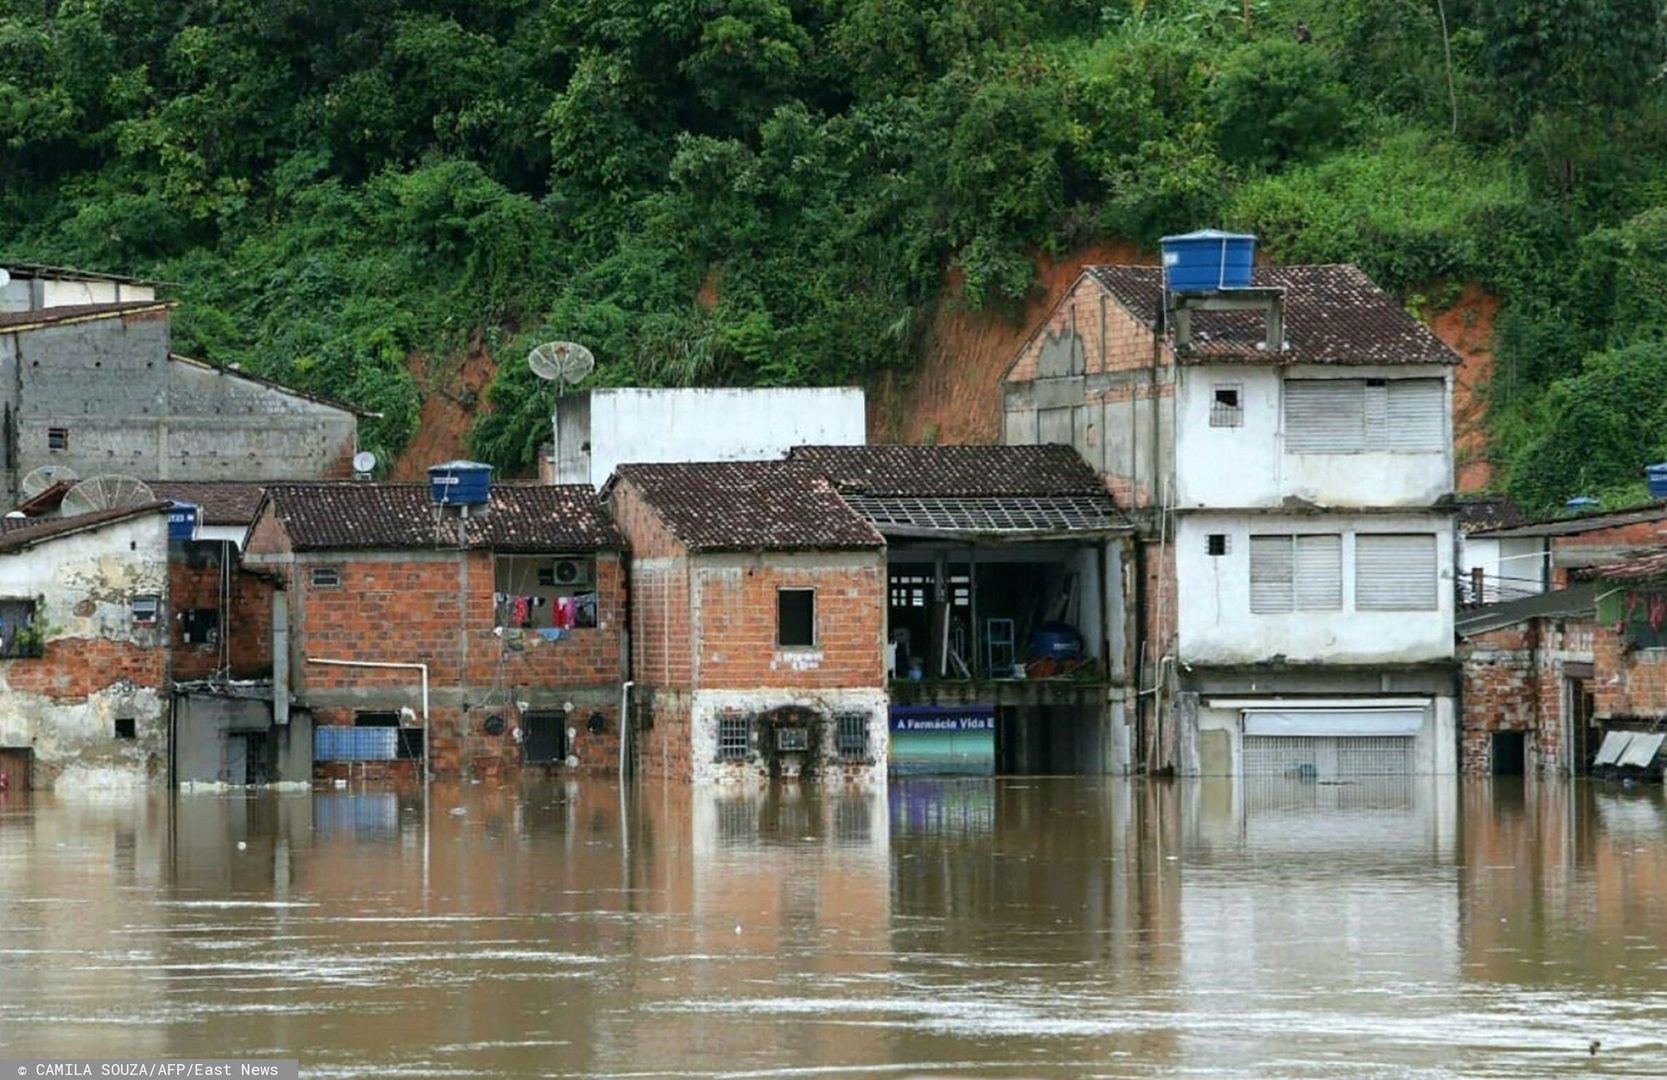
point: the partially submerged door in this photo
(15, 764)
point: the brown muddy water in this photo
(950, 928)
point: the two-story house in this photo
(1288, 450)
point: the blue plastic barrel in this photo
(1656, 477)
(182, 521)
(460, 483)
(1207, 260)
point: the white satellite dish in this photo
(363, 462)
(561, 361)
(109, 491)
(5, 277)
(38, 480)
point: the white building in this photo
(31, 287)
(598, 430)
(1300, 585)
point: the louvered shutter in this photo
(1417, 414)
(1325, 416)
(1394, 572)
(1318, 566)
(1270, 574)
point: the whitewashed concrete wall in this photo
(84, 586)
(1511, 564)
(1216, 626)
(709, 706)
(1247, 466)
(731, 424)
(30, 294)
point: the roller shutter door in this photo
(1395, 572)
(1333, 744)
(1325, 416)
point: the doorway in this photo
(1582, 735)
(1510, 753)
(15, 765)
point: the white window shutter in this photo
(1395, 572)
(1271, 573)
(1319, 573)
(1325, 416)
(1417, 414)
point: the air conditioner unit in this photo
(575, 572)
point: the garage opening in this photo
(1331, 744)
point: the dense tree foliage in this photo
(772, 191)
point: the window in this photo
(1216, 544)
(199, 626)
(796, 617)
(408, 745)
(545, 592)
(126, 728)
(734, 737)
(1227, 406)
(851, 736)
(1350, 416)
(19, 637)
(543, 736)
(57, 438)
(1296, 573)
(1395, 572)
(326, 577)
(145, 609)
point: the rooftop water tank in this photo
(1207, 260)
(460, 483)
(182, 521)
(1656, 477)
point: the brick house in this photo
(757, 623)
(512, 617)
(1528, 557)
(83, 649)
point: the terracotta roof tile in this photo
(1480, 512)
(218, 502)
(520, 517)
(964, 471)
(750, 506)
(1333, 315)
(16, 534)
(1649, 566)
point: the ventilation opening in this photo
(1216, 544)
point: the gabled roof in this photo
(967, 490)
(1574, 526)
(271, 384)
(348, 516)
(750, 506)
(927, 471)
(1333, 315)
(218, 502)
(13, 321)
(1482, 513)
(19, 534)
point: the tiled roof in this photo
(1477, 513)
(1333, 315)
(1649, 566)
(219, 502)
(12, 320)
(903, 515)
(750, 506)
(17, 534)
(520, 517)
(953, 471)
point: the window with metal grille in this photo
(326, 577)
(1395, 572)
(408, 744)
(145, 609)
(734, 737)
(1296, 573)
(543, 736)
(57, 438)
(796, 617)
(19, 636)
(1350, 416)
(851, 735)
(1227, 405)
(1216, 544)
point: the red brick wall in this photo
(1639, 534)
(1124, 345)
(736, 605)
(1512, 679)
(662, 736)
(1629, 683)
(661, 636)
(247, 625)
(72, 668)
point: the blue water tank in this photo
(1057, 641)
(1656, 477)
(1583, 504)
(182, 521)
(1207, 260)
(460, 483)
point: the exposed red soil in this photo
(452, 394)
(1467, 328)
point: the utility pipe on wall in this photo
(423, 668)
(624, 724)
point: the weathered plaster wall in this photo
(763, 762)
(98, 665)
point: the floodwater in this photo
(1029, 927)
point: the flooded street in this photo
(1015, 927)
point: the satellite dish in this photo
(561, 361)
(363, 462)
(38, 480)
(5, 277)
(110, 491)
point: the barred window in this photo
(1227, 405)
(734, 737)
(851, 735)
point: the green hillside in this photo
(336, 186)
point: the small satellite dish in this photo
(38, 480)
(561, 361)
(363, 462)
(18, 514)
(109, 491)
(5, 277)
